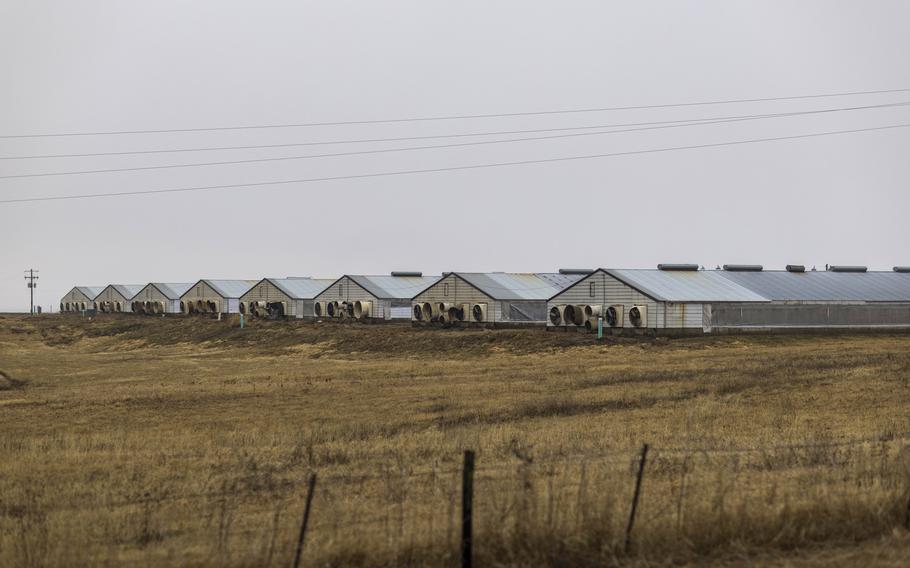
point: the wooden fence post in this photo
(306, 519)
(467, 509)
(635, 496)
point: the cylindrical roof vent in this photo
(677, 267)
(796, 268)
(902, 268)
(405, 273)
(576, 271)
(743, 267)
(845, 268)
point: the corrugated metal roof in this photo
(91, 291)
(687, 286)
(128, 291)
(401, 287)
(231, 288)
(826, 286)
(520, 286)
(173, 290)
(302, 288)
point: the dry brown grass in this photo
(153, 441)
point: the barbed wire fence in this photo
(628, 500)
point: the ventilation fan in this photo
(557, 314)
(479, 312)
(614, 316)
(638, 316)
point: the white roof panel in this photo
(686, 285)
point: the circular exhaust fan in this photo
(418, 312)
(635, 316)
(612, 318)
(555, 316)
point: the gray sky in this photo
(109, 66)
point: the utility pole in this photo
(31, 276)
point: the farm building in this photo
(371, 297)
(278, 297)
(80, 298)
(491, 298)
(682, 298)
(215, 296)
(116, 297)
(160, 298)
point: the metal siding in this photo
(610, 291)
(270, 293)
(352, 292)
(460, 292)
(781, 315)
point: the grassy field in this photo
(173, 441)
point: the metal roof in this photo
(387, 286)
(231, 288)
(172, 290)
(688, 286)
(128, 291)
(826, 286)
(520, 286)
(91, 291)
(302, 288)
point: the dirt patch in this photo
(9, 383)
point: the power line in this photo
(395, 139)
(451, 168)
(441, 146)
(459, 117)
(435, 136)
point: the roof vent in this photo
(902, 268)
(743, 267)
(845, 268)
(405, 273)
(687, 267)
(576, 271)
(796, 268)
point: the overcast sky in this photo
(93, 66)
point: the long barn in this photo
(80, 298)
(279, 297)
(117, 297)
(215, 296)
(378, 298)
(490, 298)
(160, 298)
(684, 299)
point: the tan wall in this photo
(204, 292)
(346, 290)
(75, 295)
(153, 294)
(265, 291)
(608, 291)
(112, 296)
(456, 291)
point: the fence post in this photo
(467, 509)
(306, 519)
(635, 496)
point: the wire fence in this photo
(612, 503)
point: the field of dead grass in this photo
(173, 441)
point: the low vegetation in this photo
(176, 441)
